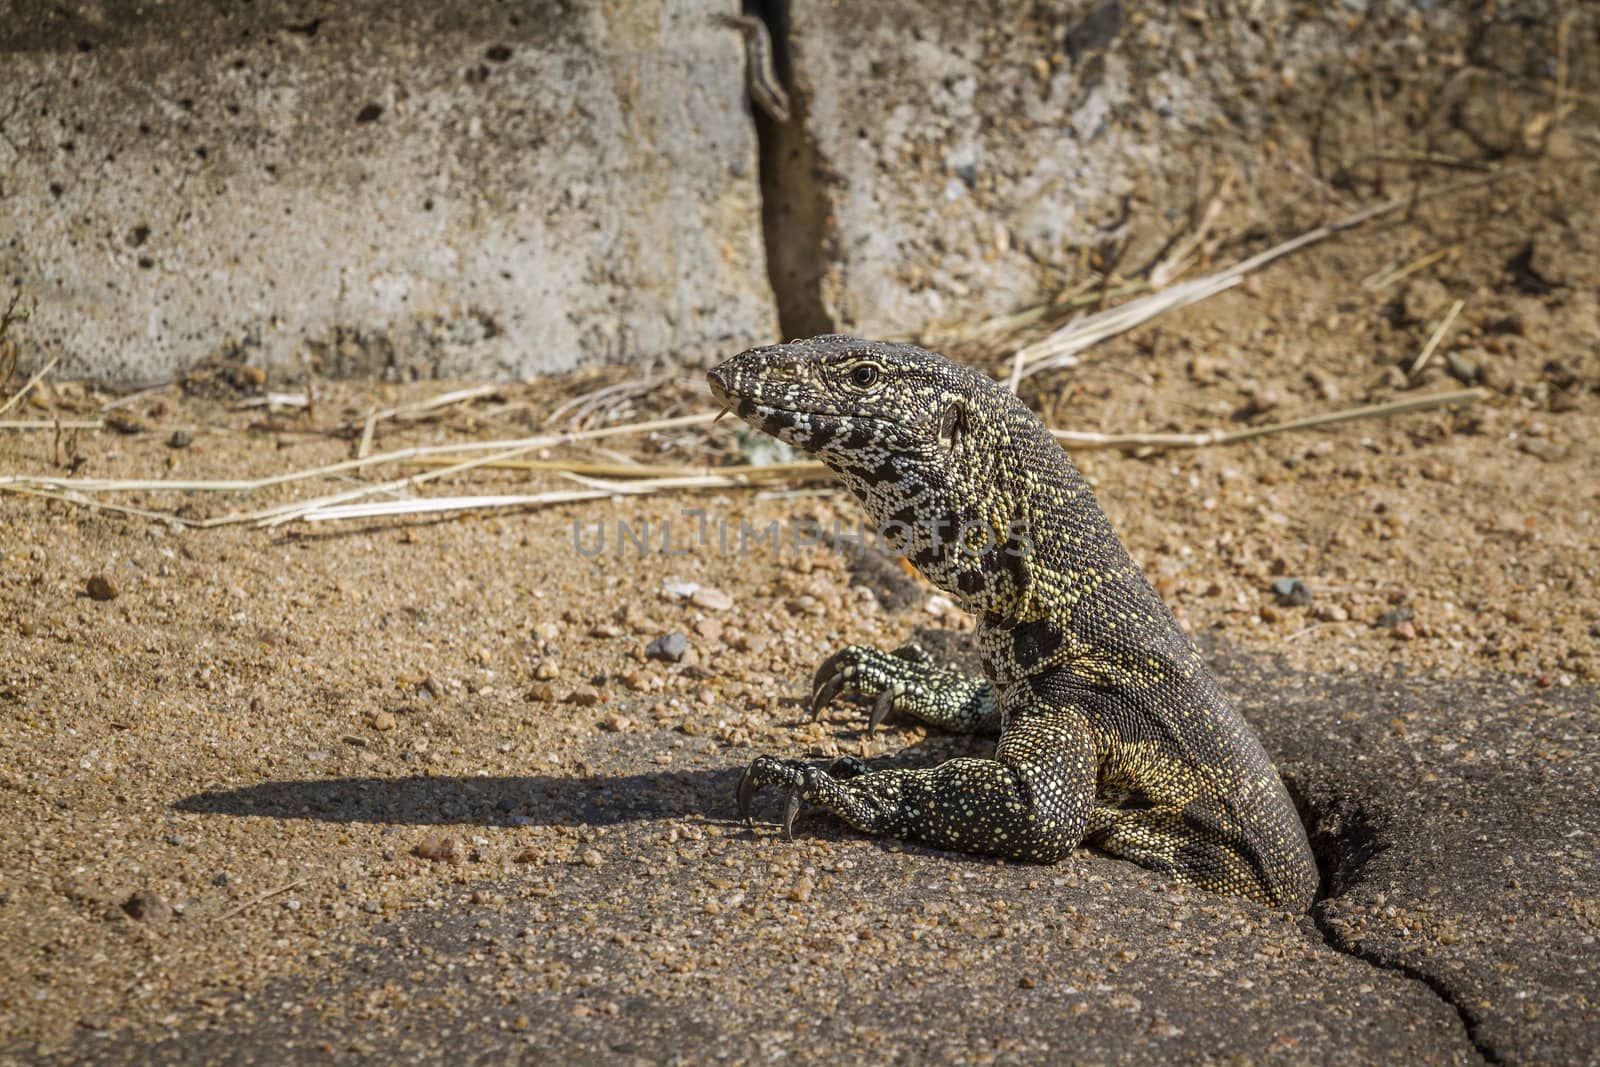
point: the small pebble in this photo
(148, 907)
(1391, 619)
(100, 588)
(615, 723)
(591, 858)
(1330, 613)
(442, 848)
(669, 648)
(1291, 592)
(1544, 449)
(711, 599)
(383, 721)
(180, 439)
(546, 670)
(585, 696)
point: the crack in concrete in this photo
(1344, 837)
(1470, 1023)
(794, 198)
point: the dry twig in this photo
(1385, 278)
(52, 424)
(252, 902)
(1233, 436)
(1433, 339)
(28, 385)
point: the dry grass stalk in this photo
(253, 901)
(52, 424)
(129, 398)
(99, 505)
(364, 447)
(997, 329)
(420, 409)
(1060, 348)
(1233, 436)
(118, 485)
(275, 400)
(288, 512)
(1198, 243)
(1383, 279)
(598, 490)
(769, 471)
(27, 386)
(607, 398)
(1433, 339)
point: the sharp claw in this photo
(825, 673)
(720, 414)
(791, 808)
(747, 795)
(880, 711)
(824, 693)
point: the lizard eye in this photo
(864, 377)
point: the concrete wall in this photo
(954, 161)
(491, 190)
(401, 187)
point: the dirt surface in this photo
(413, 785)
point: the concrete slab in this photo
(390, 188)
(1457, 825)
(1453, 820)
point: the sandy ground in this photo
(172, 865)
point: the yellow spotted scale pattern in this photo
(1112, 732)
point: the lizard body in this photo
(1112, 732)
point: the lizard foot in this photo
(906, 681)
(860, 670)
(795, 777)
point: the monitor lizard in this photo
(1112, 732)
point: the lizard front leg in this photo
(1030, 802)
(906, 680)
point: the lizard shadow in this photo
(523, 800)
(596, 799)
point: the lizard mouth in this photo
(759, 412)
(811, 429)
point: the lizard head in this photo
(852, 403)
(927, 445)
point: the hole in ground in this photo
(1344, 832)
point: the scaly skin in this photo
(1112, 731)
